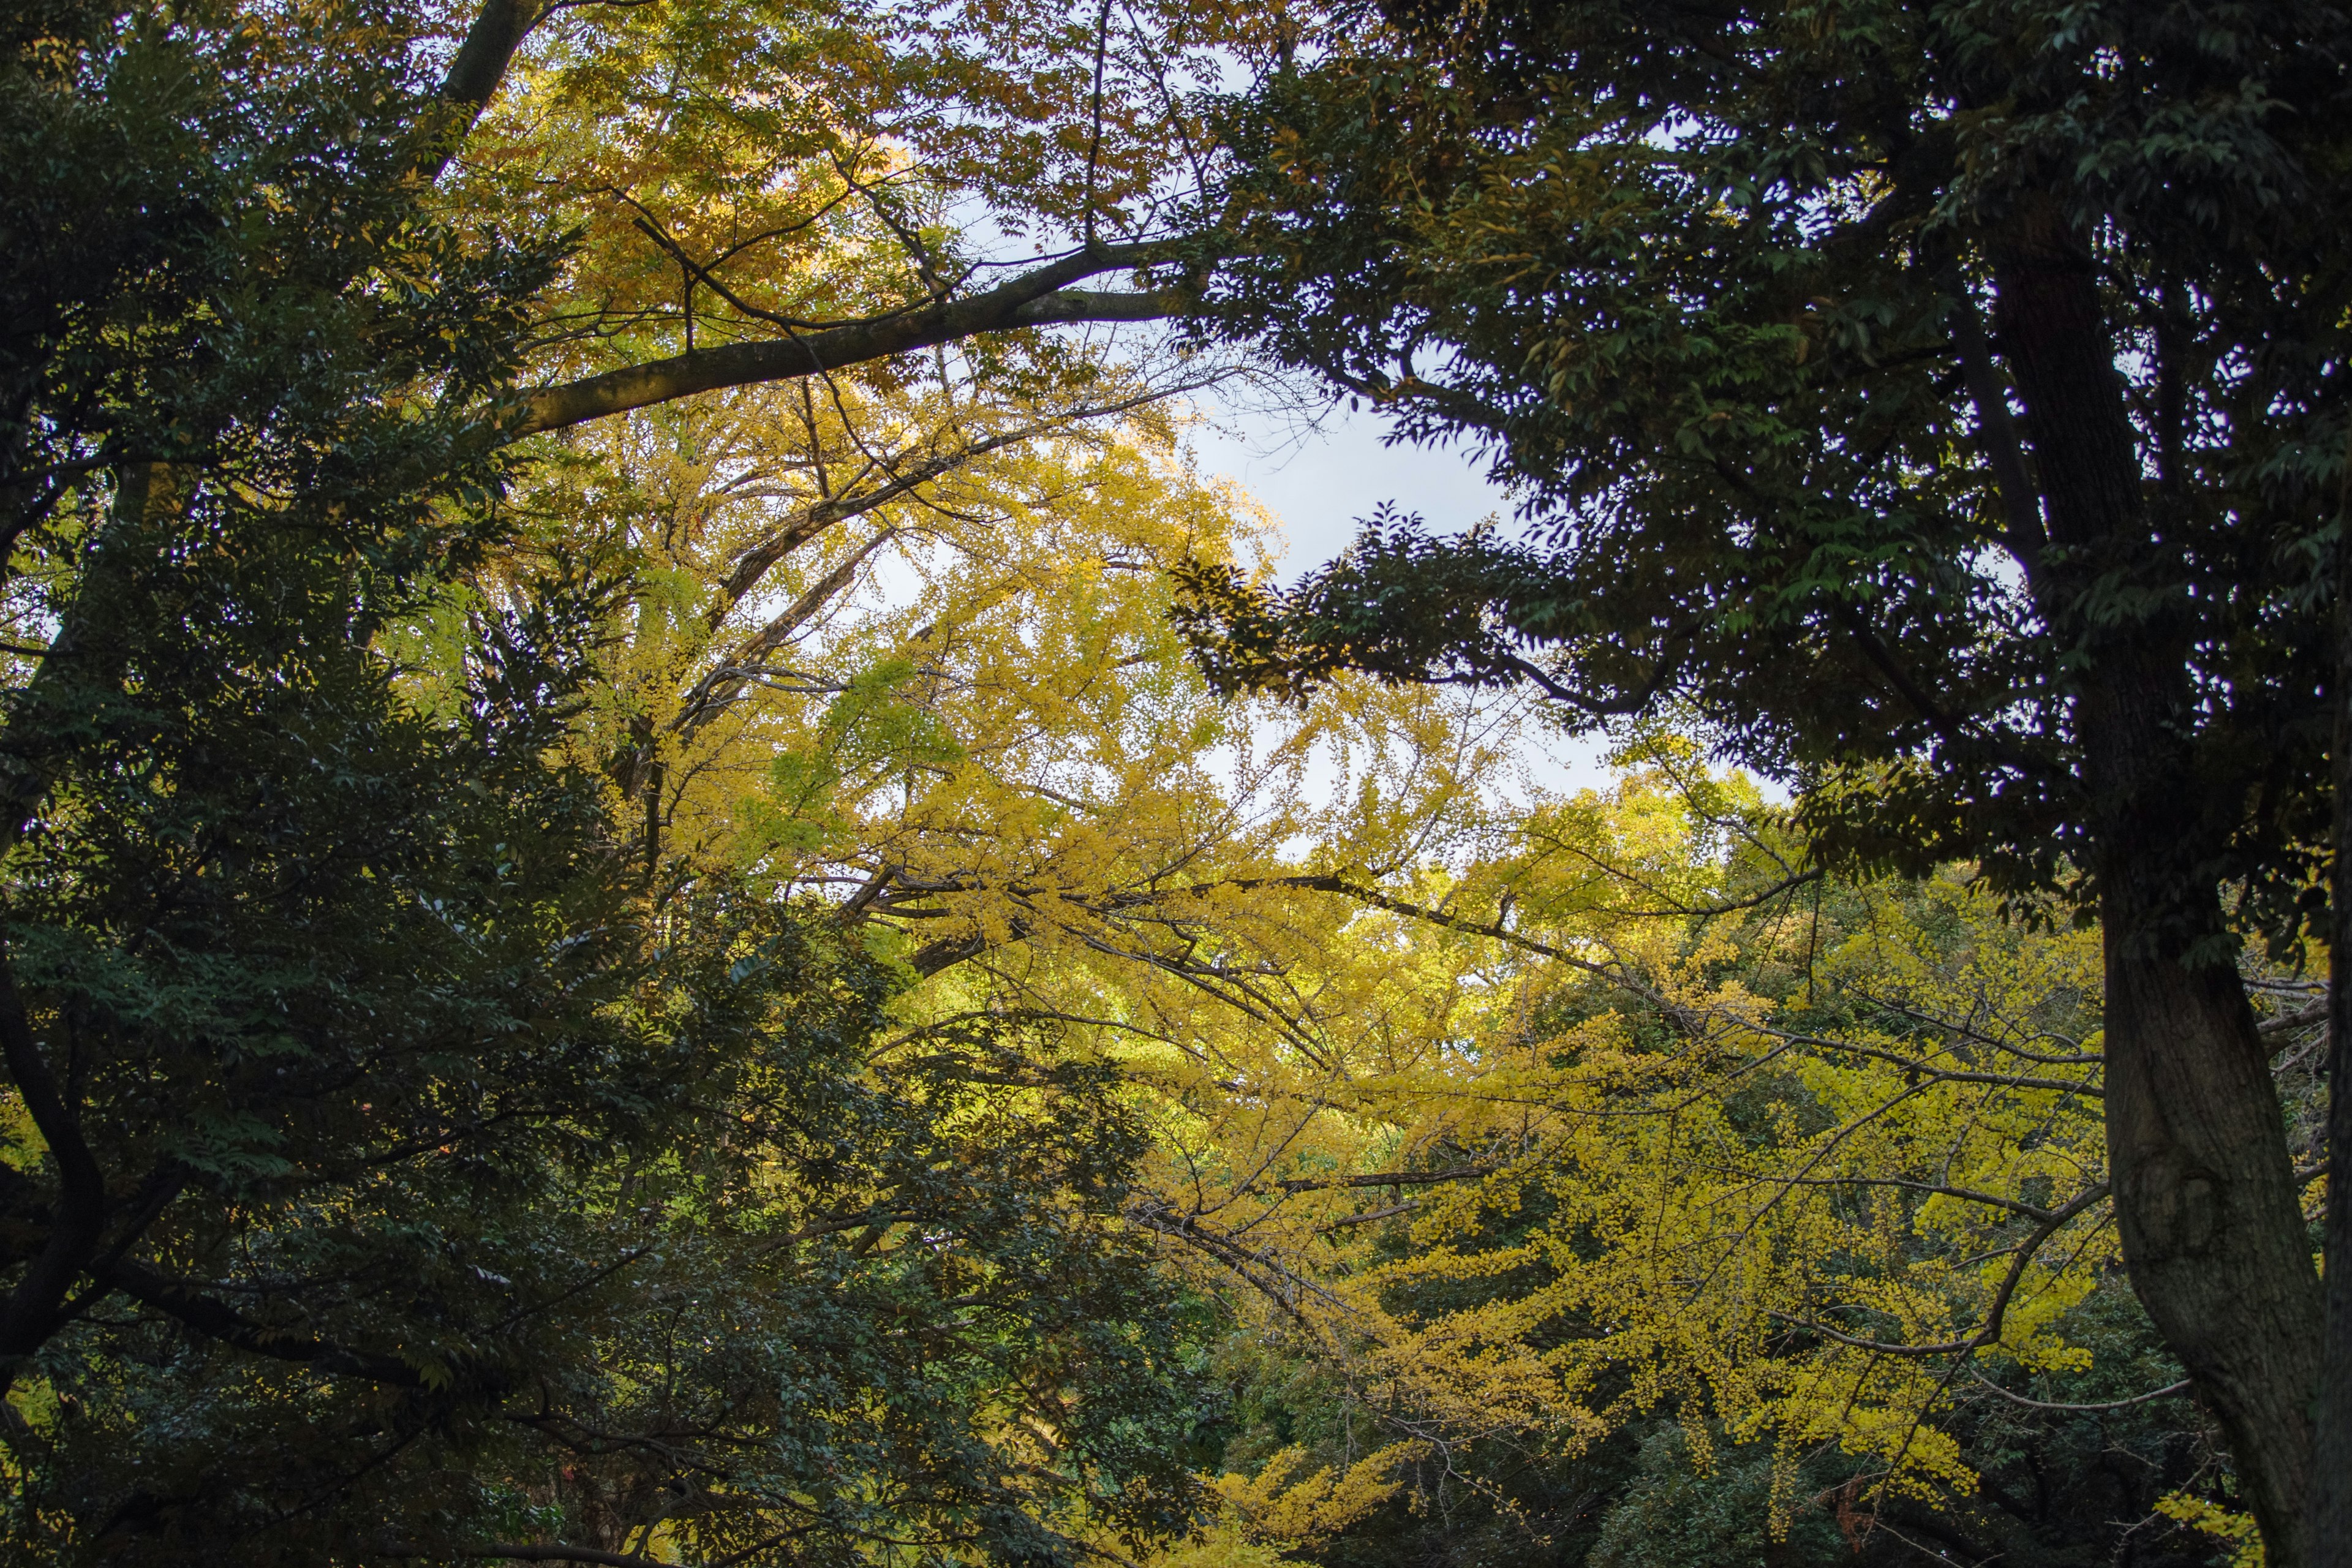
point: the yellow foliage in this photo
(1286, 1505)
(1804, 1171)
(2237, 1533)
(1533, 1111)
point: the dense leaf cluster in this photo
(1707, 283)
(388, 1174)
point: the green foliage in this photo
(1941, 403)
(389, 1175)
(1705, 286)
(1676, 1514)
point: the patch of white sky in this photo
(1319, 471)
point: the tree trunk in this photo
(2206, 1199)
(2205, 1195)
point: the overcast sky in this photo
(1319, 479)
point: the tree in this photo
(754, 639)
(383, 1178)
(767, 191)
(2049, 594)
(1811, 1173)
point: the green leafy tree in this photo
(385, 1176)
(1943, 401)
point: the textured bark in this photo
(2206, 1203)
(2205, 1195)
(481, 60)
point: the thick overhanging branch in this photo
(1042, 297)
(481, 61)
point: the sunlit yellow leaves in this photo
(1287, 1505)
(1799, 1164)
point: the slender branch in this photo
(1990, 1332)
(1388, 1212)
(1390, 1179)
(910, 240)
(696, 273)
(2284, 1022)
(1093, 136)
(717, 692)
(831, 510)
(1611, 707)
(557, 1551)
(156, 1194)
(551, 1552)
(2166, 1392)
(1996, 433)
(1940, 1075)
(1882, 658)
(217, 1319)
(1964, 1195)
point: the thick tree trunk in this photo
(2205, 1195)
(2206, 1199)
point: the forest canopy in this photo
(673, 888)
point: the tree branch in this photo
(558, 1552)
(1389, 1211)
(477, 69)
(481, 61)
(1390, 1179)
(78, 1223)
(2166, 1392)
(1996, 433)
(1990, 1332)
(217, 1320)
(715, 692)
(1039, 297)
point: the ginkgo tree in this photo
(396, 1170)
(384, 1179)
(768, 192)
(1673, 1128)
(595, 974)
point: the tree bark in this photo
(2206, 1200)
